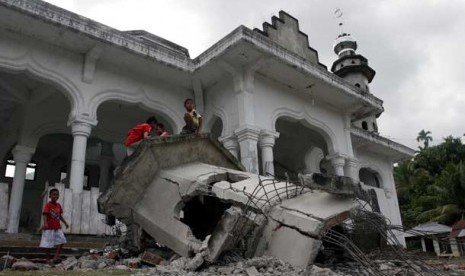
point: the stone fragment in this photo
(6, 261)
(24, 265)
(102, 265)
(151, 258)
(132, 263)
(69, 263)
(195, 262)
(227, 270)
(122, 267)
(222, 236)
(179, 264)
(318, 271)
(114, 255)
(92, 264)
(252, 271)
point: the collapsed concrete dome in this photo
(191, 195)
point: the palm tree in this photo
(424, 136)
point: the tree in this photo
(431, 186)
(424, 136)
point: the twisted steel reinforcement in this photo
(267, 193)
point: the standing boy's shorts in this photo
(52, 238)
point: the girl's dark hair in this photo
(53, 190)
(160, 125)
(151, 120)
(186, 100)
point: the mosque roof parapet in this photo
(150, 46)
(157, 41)
(284, 31)
(381, 144)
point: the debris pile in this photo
(190, 209)
(229, 264)
(202, 204)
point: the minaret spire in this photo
(353, 68)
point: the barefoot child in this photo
(52, 235)
(192, 118)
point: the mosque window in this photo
(86, 183)
(365, 125)
(30, 169)
(63, 174)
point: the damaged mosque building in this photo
(291, 143)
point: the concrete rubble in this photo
(193, 196)
(226, 265)
(191, 209)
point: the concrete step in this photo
(39, 253)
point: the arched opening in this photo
(291, 149)
(116, 118)
(365, 125)
(31, 108)
(217, 127)
(314, 160)
(370, 177)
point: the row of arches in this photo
(37, 112)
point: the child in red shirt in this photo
(52, 234)
(138, 133)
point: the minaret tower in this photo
(354, 68)
(351, 66)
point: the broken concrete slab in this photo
(173, 190)
(292, 246)
(222, 237)
(138, 170)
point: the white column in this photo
(352, 168)
(3, 205)
(437, 249)
(248, 138)
(22, 156)
(231, 144)
(81, 131)
(454, 247)
(105, 162)
(266, 144)
(337, 162)
(423, 245)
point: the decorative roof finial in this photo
(339, 14)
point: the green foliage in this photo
(431, 186)
(424, 136)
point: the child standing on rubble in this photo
(192, 118)
(138, 133)
(52, 234)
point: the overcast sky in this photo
(417, 47)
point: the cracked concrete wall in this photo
(296, 226)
